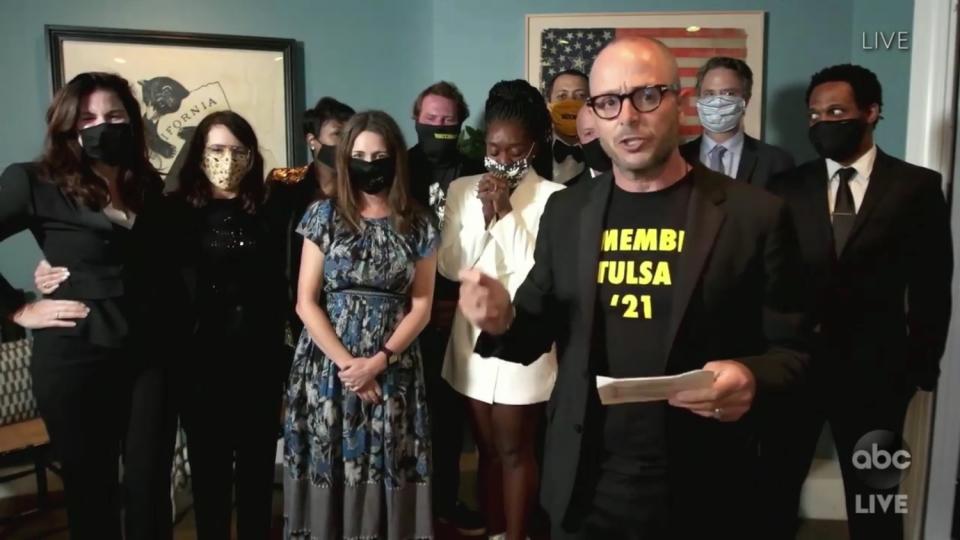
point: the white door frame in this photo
(930, 142)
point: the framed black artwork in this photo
(179, 78)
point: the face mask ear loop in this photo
(530, 151)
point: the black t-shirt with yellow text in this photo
(640, 249)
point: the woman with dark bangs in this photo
(221, 267)
(100, 390)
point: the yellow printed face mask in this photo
(225, 168)
(564, 114)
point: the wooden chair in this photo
(24, 440)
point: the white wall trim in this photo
(932, 77)
(930, 142)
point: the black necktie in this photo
(844, 213)
(561, 150)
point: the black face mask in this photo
(838, 140)
(327, 155)
(372, 176)
(595, 157)
(110, 143)
(439, 143)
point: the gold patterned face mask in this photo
(225, 166)
(564, 115)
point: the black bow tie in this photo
(562, 150)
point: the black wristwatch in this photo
(391, 356)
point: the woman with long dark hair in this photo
(100, 391)
(226, 302)
(357, 442)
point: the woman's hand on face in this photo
(495, 194)
(485, 194)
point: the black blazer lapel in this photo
(591, 228)
(705, 215)
(690, 151)
(878, 186)
(748, 161)
(83, 216)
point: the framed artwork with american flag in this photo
(556, 42)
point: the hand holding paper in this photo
(727, 399)
(723, 389)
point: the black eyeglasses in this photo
(644, 99)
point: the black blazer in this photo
(173, 229)
(420, 177)
(420, 181)
(288, 202)
(581, 177)
(735, 297)
(899, 249)
(758, 163)
(100, 255)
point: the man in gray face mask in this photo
(724, 87)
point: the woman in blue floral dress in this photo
(357, 437)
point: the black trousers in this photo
(788, 447)
(620, 507)
(447, 420)
(100, 404)
(231, 395)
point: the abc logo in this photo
(881, 459)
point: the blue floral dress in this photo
(355, 469)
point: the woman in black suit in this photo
(100, 394)
(221, 250)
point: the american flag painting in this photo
(576, 48)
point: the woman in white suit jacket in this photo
(491, 223)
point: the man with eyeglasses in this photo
(724, 87)
(656, 268)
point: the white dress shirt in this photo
(567, 169)
(731, 159)
(858, 184)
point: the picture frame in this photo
(179, 78)
(693, 36)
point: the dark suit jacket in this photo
(583, 176)
(899, 249)
(735, 297)
(421, 178)
(101, 256)
(758, 163)
(290, 192)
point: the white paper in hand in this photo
(640, 389)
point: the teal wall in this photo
(369, 53)
(380, 53)
(891, 66)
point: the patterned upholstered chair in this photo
(23, 436)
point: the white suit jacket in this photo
(504, 250)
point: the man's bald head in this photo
(639, 143)
(634, 50)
